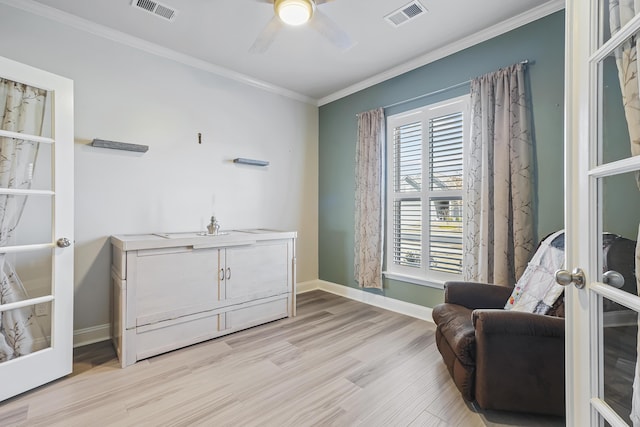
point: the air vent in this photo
(160, 10)
(405, 13)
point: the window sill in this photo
(431, 283)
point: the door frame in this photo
(577, 356)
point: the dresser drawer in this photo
(172, 334)
(257, 312)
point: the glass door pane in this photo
(613, 15)
(26, 275)
(614, 132)
(619, 356)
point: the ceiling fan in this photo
(299, 12)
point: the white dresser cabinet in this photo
(173, 290)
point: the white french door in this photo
(602, 196)
(36, 227)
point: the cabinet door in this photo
(170, 283)
(258, 271)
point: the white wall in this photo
(123, 94)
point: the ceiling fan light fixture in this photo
(294, 12)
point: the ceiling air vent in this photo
(405, 13)
(155, 8)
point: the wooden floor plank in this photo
(338, 363)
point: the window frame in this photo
(422, 275)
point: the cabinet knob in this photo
(221, 274)
(228, 273)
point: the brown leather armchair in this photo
(503, 360)
(510, 360)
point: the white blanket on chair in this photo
(537, 289)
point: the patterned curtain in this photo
(21, 110)
(620, 13)
(369, 206)
(498, 180)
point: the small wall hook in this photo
(199, 138)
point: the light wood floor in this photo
(338, 363)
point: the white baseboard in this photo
(91, 335)
(311, 285)
(402, 307)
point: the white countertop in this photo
(132, 242)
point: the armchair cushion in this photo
(476, 295)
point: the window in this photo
(424, 191)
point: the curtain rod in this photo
(435, 92)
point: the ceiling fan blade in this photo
(266, 37)
(325, 26)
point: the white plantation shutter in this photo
(408, 157)
(407, 239)
(407, 208)
(445, 234)
(445, 152)
(424, 228)
(445, 199)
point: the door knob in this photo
(613, 278)
(63, 242)
(564, 278)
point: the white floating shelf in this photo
(251, 162)
(119, 145)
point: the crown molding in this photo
(541, 11)
(152, 48)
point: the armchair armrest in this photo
(519, 361)
(509, 322)
(476, 295)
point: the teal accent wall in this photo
(541, 42)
